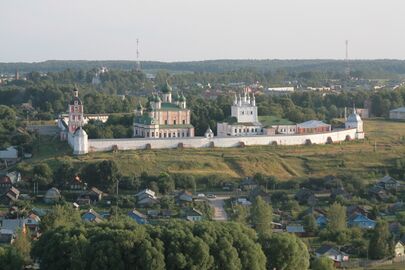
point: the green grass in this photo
(285, 162)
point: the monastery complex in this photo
(165, 123)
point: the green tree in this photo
(23, 245)
(336, 217)
(64, 173)
(261, 216)
(10, 259)
(166, 183)
(60, 215)
(285, 252)
(42, 174)
(309, 223)
(323, 263)
(240, 214)
(380, 245)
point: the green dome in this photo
(139, 108)
(182, 98)
(157, 99)
(166, 88)
(176, 96)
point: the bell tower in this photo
(75, 112)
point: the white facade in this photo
(354, 121)
(244, 110)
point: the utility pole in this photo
(116, 207)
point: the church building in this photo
(165, 117)
(244, 119)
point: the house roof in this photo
(9, 153)
(13, 224)
(400, 109)
(329, 250)
(146, 192)
(137, 213)
(295, 229)
(96, 190)
(312, 124)
(193, 212)
(97, 217)
(387, 179)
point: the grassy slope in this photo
(282, 161)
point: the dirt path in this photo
(219, 211)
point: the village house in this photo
(338, 257)
(92, 216)
(388, 183)
(306, 196)
(248, 184)
(9, 229)
(361, 221)
(11, 196)
(193, 214)
(400, 248)
(77, 184)
(138, 217)
(184, 197)
(146, 198)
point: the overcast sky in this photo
(182, 30)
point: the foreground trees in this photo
(285, 252)
(175, 245)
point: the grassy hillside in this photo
(384, 143)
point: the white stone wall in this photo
(200, 142)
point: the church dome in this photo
(354, 117)
(166, 88)
(182, 98)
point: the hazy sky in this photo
(181, 30)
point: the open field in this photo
(385, 142)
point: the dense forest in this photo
(367, 67)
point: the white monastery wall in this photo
(96, 145)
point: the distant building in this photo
(398, 114)
(281, 90)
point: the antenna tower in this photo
(347, 69)
(138, 63)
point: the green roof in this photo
(169, 107)
(144, 119)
